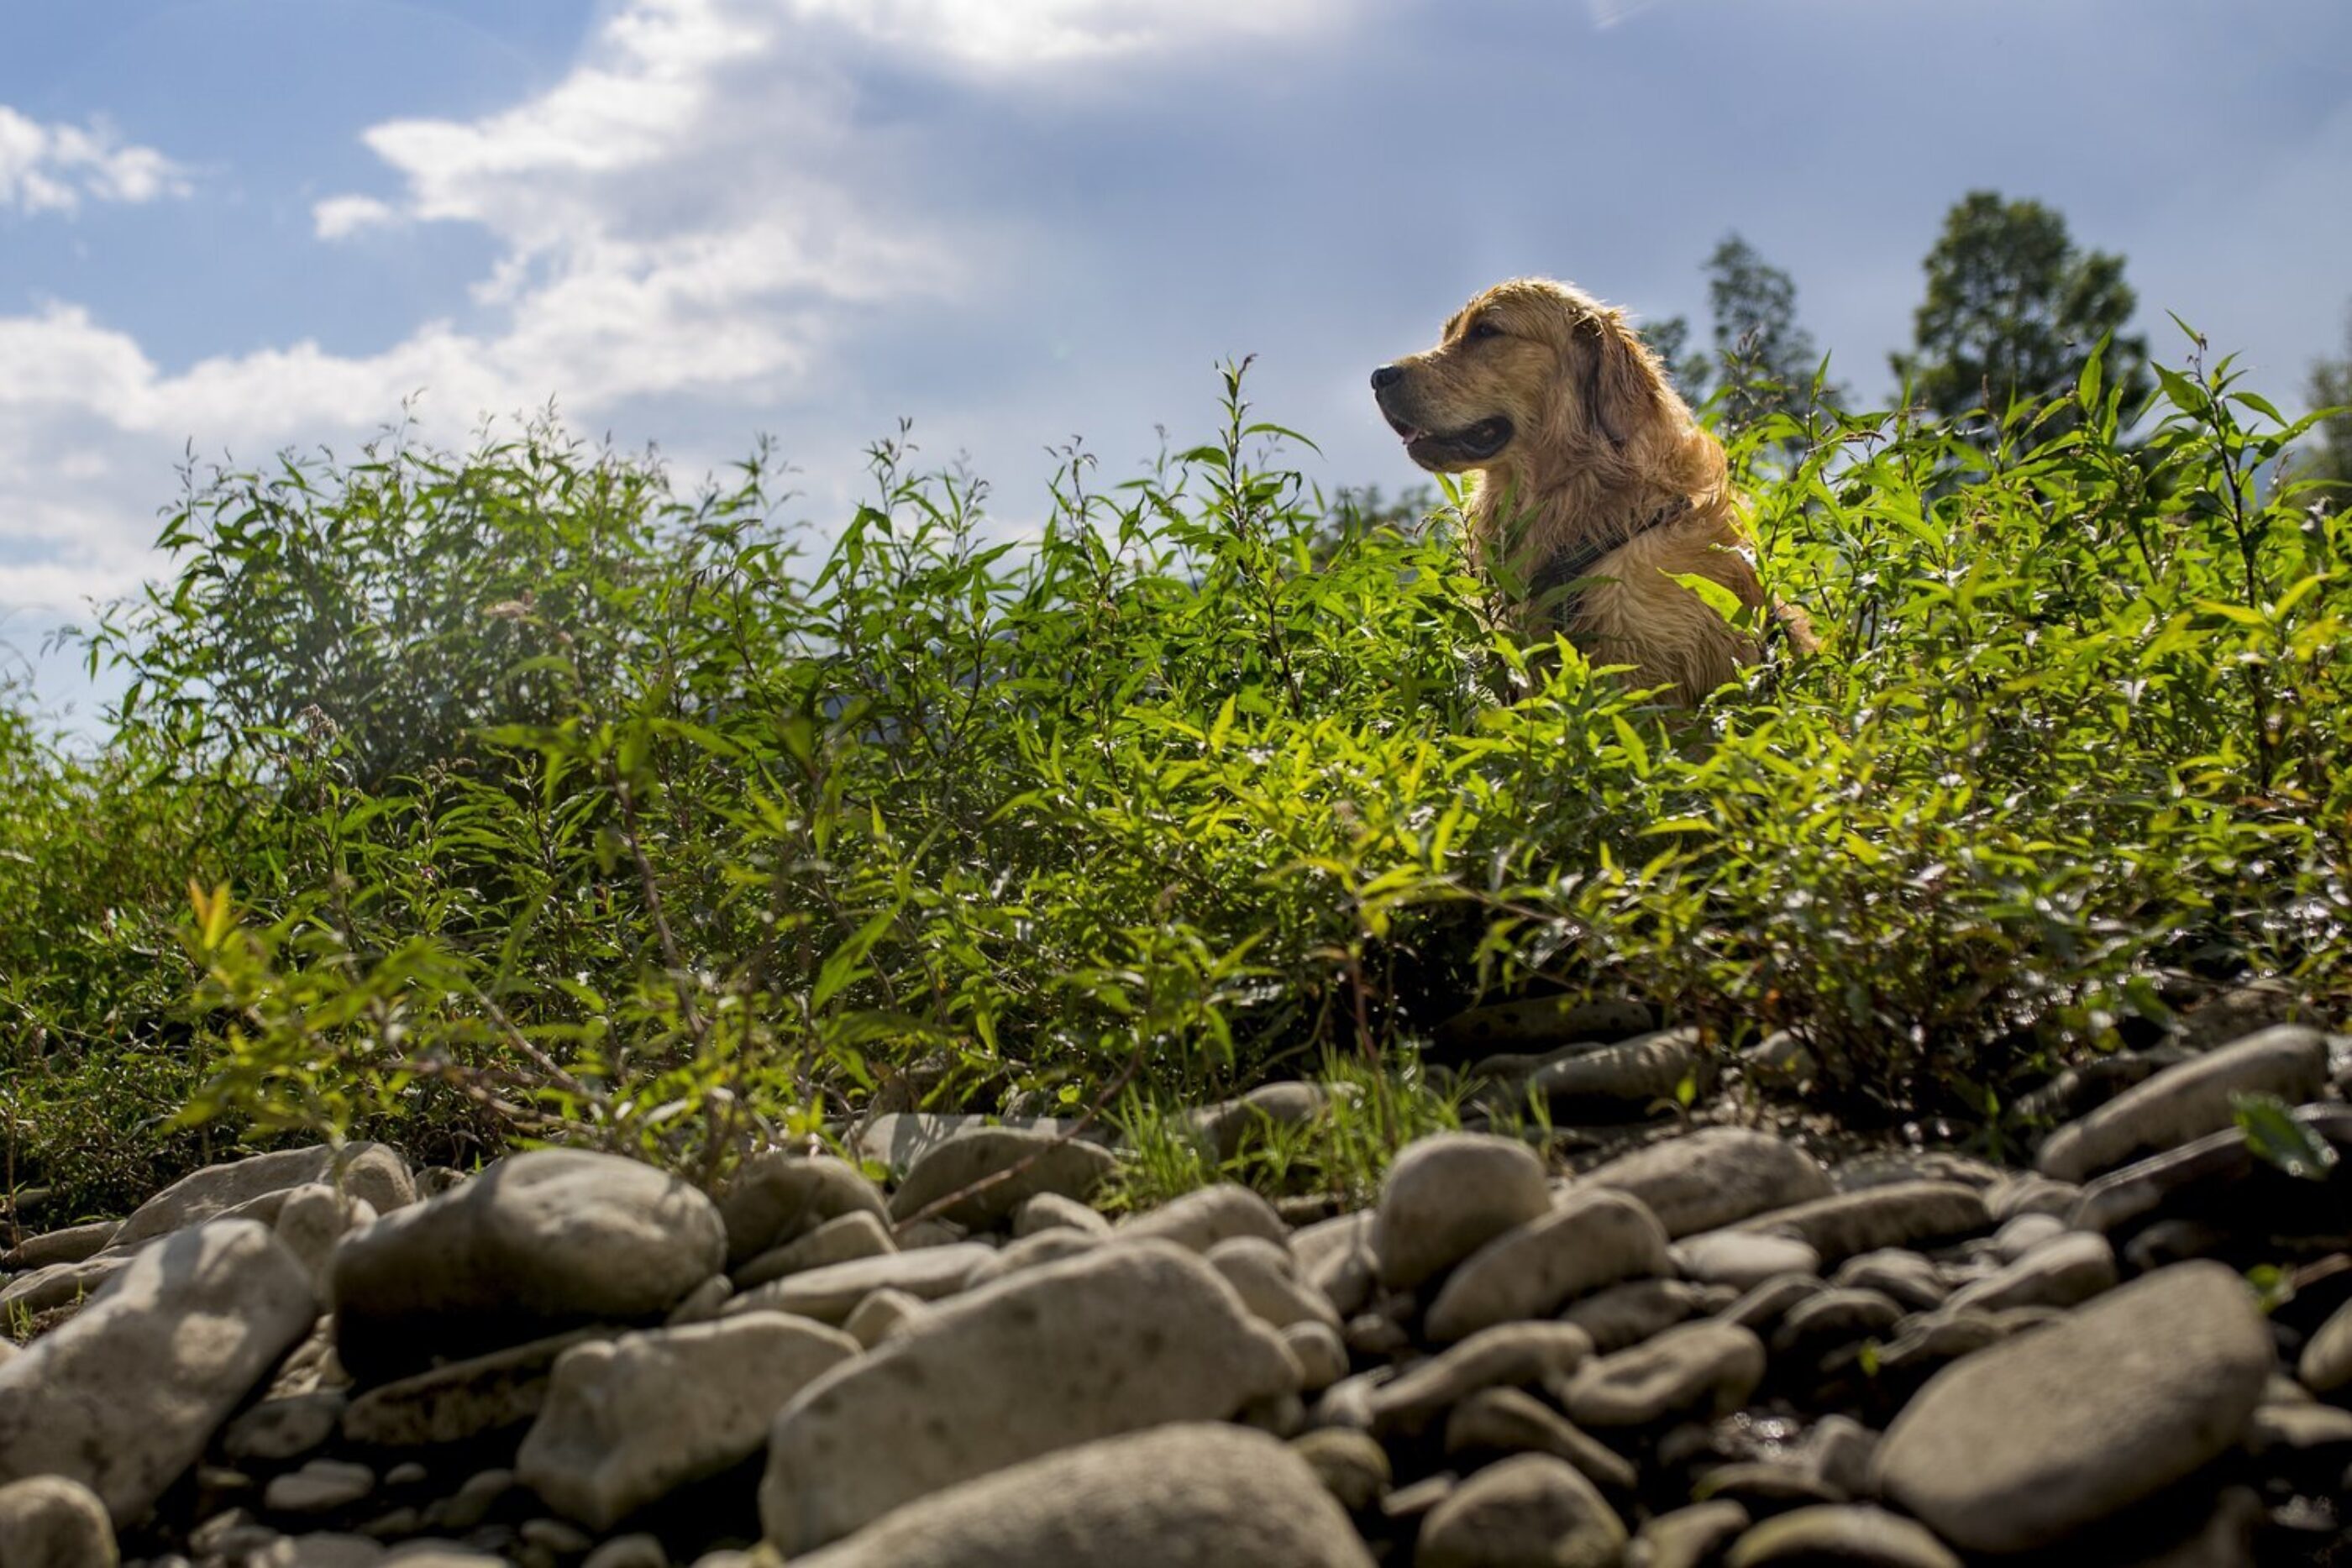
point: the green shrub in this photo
(528, 792)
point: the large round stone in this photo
(1530, 1508)
(1841, 1534)
(1713, 1178)
(2183, 1103)
(1897, 1213)
(1709, 1368)
(49, 1521)
(536, 1244)
(124, 1397)
(371, 1172)
(977, 1177)
(2325, 1365)
(631, 1419)
(1200, 1219)
(1191, 1494)
(2023, 1444)
(1593, 1239)
(1448, 1196)
(779, 1196)
(1507, 1356)
(1123, 1337)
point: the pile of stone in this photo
(1711, 1349)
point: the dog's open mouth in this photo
(1471, 443)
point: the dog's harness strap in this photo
(1550, 585)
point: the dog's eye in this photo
(1481, 329)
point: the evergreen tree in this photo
(2014, 309)
(2328, 458)
(1768, 361)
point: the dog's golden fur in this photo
(1585, 456)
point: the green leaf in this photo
(2278, 1139)
(1222, 726)
(1717, 597)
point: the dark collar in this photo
(1554, 586)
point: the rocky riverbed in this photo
(1706, 1345)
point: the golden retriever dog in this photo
(1594, 487)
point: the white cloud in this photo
(1017, 33)
(54, 168)
(694, 209)
(339, 217)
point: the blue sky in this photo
(243, 224)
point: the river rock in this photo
(1321, 1354)
(311, 1220)
(124, 1397)
(50, 1521)
(1351, 1465)
(2240, 1010)
(460, 1399)
(1199, 1220)
(2064, 1271)
(1741, 1259)
(1530, 1509)
(536, 1244)
(1449, 1194)
(1511, 1421)
(1224, 1128)
(1627, 1079)
(779, 1197)
(1262, 1273)
(2325, 1365)
(1766, 1302)
(1336, 1257)
(844, 1239)
(321, 1486)
(1705, 1368)
(1713, 1178)
(1045, 1247)
(1509, 1355)
(1204, 1494)
(1897, 1273)
(1538, 1022)
(2023, 1444)
(279, 1429)
(1689, 1537)
(2022, 1234)
(72, 1245)
(1830, 1319)
(1052, 1211)
(368, 1171)
(1127, 1336)
(1036, 1162)
(831, 1293)
(1637, 1309)
(2185, 1102)
(631, 1419)
(1593, 1239)
(1899, 1214)
(880, 1315)
(45, 1290)
(1852, 1533)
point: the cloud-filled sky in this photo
(236, 225)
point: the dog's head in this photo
(1529, 365)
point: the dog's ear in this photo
(1621, 378)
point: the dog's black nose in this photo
(1386, 376)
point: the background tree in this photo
(2013, 310)
(1761, 357)
(1670, 339)
(2329, 459)
(1768, 361)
